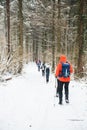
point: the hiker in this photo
(38, 64)
(47, 73)
(63, 71)
(43, 67)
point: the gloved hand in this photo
(55, 76)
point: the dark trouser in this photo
(43, 72)
(65, 84)
(38, 68)
(47, 77)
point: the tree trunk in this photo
(58, 46)
(20, 35)
(53, 37)
(80, 40)
(8, 23)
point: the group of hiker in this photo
(63, 71)
(45, 68)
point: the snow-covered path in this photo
(28, 102)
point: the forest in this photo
(43, 29)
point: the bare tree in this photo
(53, 35)
(8, 23)
(80, 39)
(20, 34)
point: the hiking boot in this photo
(60, 102)
(57, 95)
(67, 101)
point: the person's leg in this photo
(38, 68)
(42, 72)
(60, 92)
(66, 92)
(47, 78)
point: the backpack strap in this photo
(60, 71)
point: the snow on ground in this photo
(27, 102)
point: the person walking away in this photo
(63, 71)
(43, 67)
(38, 65)
(47, 73)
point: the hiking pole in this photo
(55, 91)
(55, 81)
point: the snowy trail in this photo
(28, 102)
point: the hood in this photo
(63, 58)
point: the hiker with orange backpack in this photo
(63, 71)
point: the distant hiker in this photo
(47, 73)
(38, 64)
(43, 67)
(63, 71)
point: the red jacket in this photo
(59, 69)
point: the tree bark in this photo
(53, 36)
(80, 40)
(20, 35)
(8, 23)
